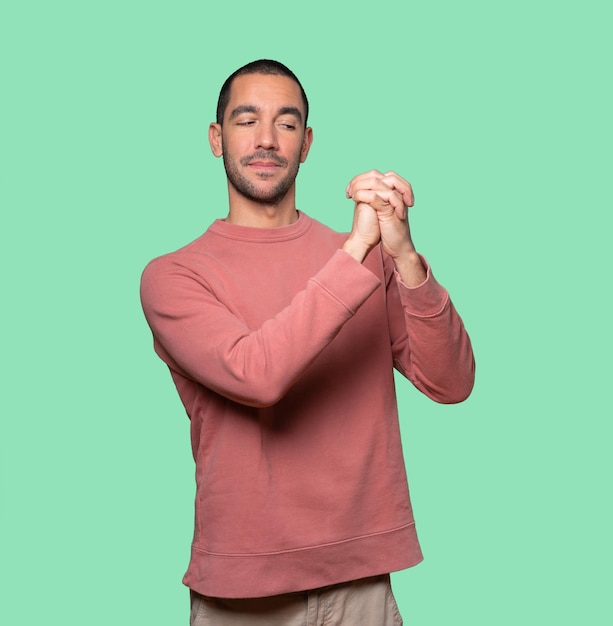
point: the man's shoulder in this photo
(183, 257)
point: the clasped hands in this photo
(381, 215)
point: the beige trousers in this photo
(365, 602)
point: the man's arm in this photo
(201, 338)
(430, 344)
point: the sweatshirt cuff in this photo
(425, 300)
(347, 280)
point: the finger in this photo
(367, 180)
(401, 185)
(364, 183)
(373, 197)
(374, 179)
(382, 200)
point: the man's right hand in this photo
(365, 233)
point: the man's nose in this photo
(267, 137)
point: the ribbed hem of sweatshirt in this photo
(260, 575)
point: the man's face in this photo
(262, 139)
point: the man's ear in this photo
(215, 139)
(306, 143)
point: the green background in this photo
(500, 115)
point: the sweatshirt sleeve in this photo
(429, 342)
(200, 337)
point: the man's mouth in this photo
(264, 161)
(264, 165)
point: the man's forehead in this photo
(264, 88)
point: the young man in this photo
(281, 336)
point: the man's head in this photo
(261, 133)
(268, 67)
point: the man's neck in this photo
(244, 212)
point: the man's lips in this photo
(264, 160)
(264, 164)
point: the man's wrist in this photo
(410, 268)
(357, 249)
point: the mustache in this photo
(263, 155)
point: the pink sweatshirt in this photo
(281, 347)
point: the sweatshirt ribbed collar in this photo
(262, 235)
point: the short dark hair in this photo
(262, 66)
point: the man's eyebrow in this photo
(291, 111)
(243, 108)
(250, 108)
